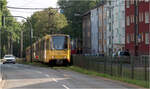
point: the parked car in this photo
(123, 53)
(124, 56)
(9, 59)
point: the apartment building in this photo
(137, 38)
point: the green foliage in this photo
(48, 21)
(72, 7)
(107, 76)
(11, 30)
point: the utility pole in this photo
(51, 25)
(21, 45)
(97, 6)
(50, 30)
(8, 43)
(1, 3)
(31, 36)
(0, 43)
(102, 29)
(11, 44)
(31, 33)
(135, 27)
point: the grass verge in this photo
(93, 73)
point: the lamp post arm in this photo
(31, 33)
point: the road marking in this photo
(15, 67)
(65, 86)
(54, 80)
(47, 75)
(39, 72)
(27, 69)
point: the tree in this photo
(48, 21)
(10, 32)
(72, 7)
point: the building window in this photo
(137, 1)
(142, 17)
(147, 17)
(140, 0)
(132, 2)
(142, 35)
(146, 0)
(128, 38)
(133, 37)
(128, 4)
(131, 19)
(139, 17)
(147, 38)
(88, 34)
(128, 20)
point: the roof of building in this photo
(86, 13)
(89, 11)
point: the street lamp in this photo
(31, 32)
(77, 14)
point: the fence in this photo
(136, 68)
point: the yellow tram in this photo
(51, 49)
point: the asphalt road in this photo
(18, 76)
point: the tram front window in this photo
(59, 42)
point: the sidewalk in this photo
(1, 75)
(0, 72)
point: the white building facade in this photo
(115, 26)
(107, 27)
(94, 31)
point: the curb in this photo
(1, 76)
(0, 72)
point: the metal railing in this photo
(136, 68)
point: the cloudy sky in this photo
(29, 4)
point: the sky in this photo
(29, 4)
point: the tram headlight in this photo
(53, 57)
(65, 57)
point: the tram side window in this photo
(37, 47)
(40, 46)
(66, 43)
(33, 48)
(43, 44)
(50, 44)
(28, 51)
(47, 44)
